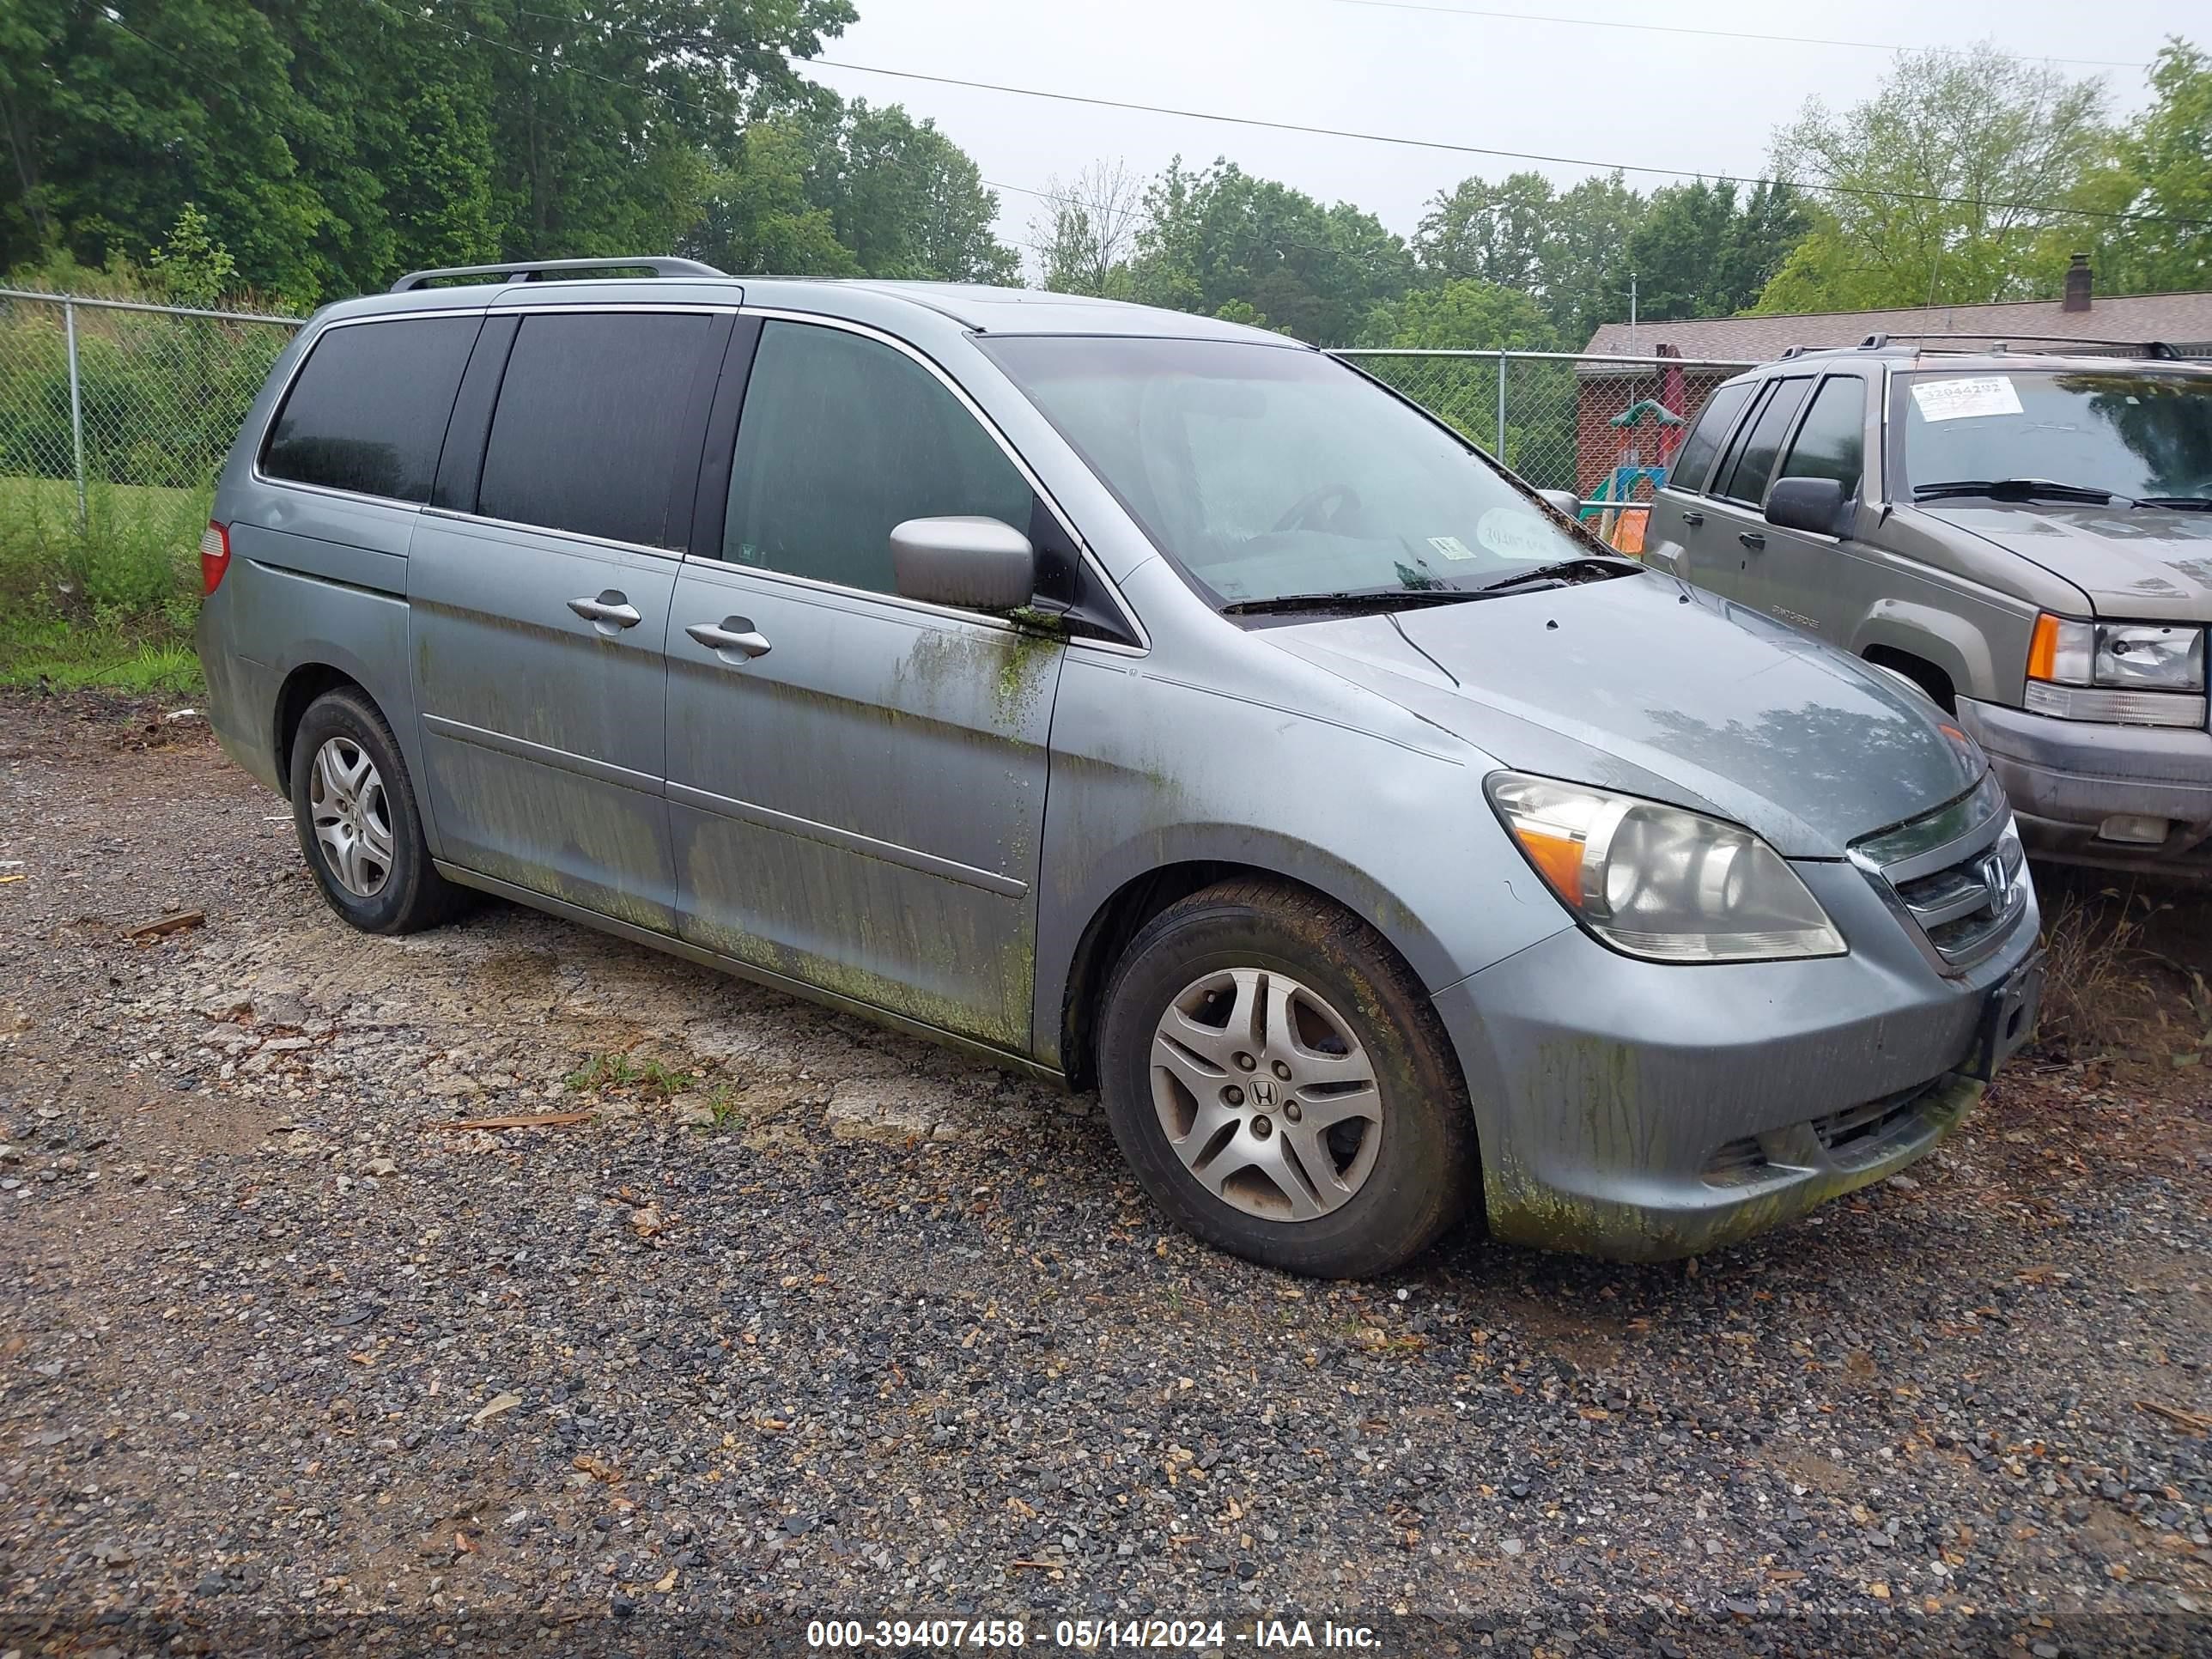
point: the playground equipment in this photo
(1620, 515)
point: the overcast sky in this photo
(1610, 95)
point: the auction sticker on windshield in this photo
(1512, 535)
(1959, 399)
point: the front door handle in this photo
(612, 610)
(731, 633)
(1750, 539)
(1693, 519)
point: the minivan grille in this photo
(1864, 1127)
(1954, 874)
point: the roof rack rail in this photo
(529, 271)
(2004, 343)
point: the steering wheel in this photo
(1305, 513)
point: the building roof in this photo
(2182, 320)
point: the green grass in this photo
(107, 604)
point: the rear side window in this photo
(1755, 456)
(1704, 440)
(368, 411)
(843, 438)
(591, 414)
(1832, 441)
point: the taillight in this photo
(214, 556)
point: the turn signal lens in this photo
(214, 556)
(2043, 649)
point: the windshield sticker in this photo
(1516, 535)
(1451, 547)
(1957, 400)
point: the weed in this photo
(601, 1073)
(723, 1108)
(108, 602)
(2101, 986)
(615, 1070)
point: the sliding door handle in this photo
(732, 634)
(611, 610)
(1750, 539)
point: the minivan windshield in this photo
(2126, 432)
(1267, 473)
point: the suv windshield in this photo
(2124, 431)
(1271, 473)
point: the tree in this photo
(1220, 235)
(2160, 165)
(1088, 231)
(1936, 189)
(759, 214)
(195, 269)
(910, 203)
(1697, 252)
(1585, 266)
(330, 143)
(1495, 233)
(1464, 315)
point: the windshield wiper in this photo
(2177, 503)
(2013, 489)
(1364, 598)
(1589, 567)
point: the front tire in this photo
(1281, 1086)
(354, 810)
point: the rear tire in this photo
(1281, 1085)
(354, 810)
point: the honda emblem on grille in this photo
(1993, 878)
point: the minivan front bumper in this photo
(1645, 1111)
(2067, 777)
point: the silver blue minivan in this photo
(1150, 703)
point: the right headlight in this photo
(1659, 883)
(2122, 673)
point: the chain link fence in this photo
(1604, 429)
(115, 392)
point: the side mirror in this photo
(971, 564)
(1566, 500)
(1809, 504)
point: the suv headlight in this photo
(1659, 883)
(2123, 673)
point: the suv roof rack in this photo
(2000, 344)
(529, 271)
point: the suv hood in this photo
(2141, 563)
(1644, 685)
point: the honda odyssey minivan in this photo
(1143, 701)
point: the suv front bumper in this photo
(2066, 777)
(1645, 1111)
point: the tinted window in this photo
(1704, 442)
(592, 416)
(1830, 443)
(369, 411)
(1754, 460)
(844, 438)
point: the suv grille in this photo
(1954, 875)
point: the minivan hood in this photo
(1645, 685)
(2133, 563)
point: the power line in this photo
(1508, 155)
(1720, 34)
(1358, 135)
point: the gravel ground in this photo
(806, 1319)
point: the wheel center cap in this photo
(1264, 1093)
